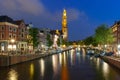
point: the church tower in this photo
(64, 25)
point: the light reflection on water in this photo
(55, 64)
(64, 68)
(31, 71)
(64, 58)
(60, 59)
(105, 70)
(12, 75)
(98, 63)
(42, 67)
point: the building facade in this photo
(42, 38)
(8, 34)
(29, 38)
(22, 36)
(14, 36)
(116, 32)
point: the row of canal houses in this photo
(14, 36)
(116, 32)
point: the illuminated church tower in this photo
(64, 25)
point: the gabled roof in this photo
(116, 23)
(18, 22)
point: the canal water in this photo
(70, 65)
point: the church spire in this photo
(64, 25)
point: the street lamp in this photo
(13, 46)
(12, 40)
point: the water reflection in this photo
(12, 75)
(98, 63)
(64, 59)
(55, 64)
(78, 56)
(72, 57)
(105, 70)
(31, 71)
(83, 54)
(42, 67)
(60, 59)
(64, 68)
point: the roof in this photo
(18, 22)
(54, 32)
(5, 18)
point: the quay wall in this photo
(7, 60)
(14, 59)
(112, 60)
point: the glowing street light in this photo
(12, 40)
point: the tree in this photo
(103, 35)
(81, 42)
(110, 37)
(34, 34)
(58, 41)
(90, 41)
(64, 42)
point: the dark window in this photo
(22, 30)
(10, 29)
(9, 36)
(14, 29)
(2, 35)
(2, 28)
(22, 45)
(22, 35)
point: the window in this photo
(10, 29)
(14, 36)
(2, 28)
(10, 35)
(2, 35)
(22, 30)
(22, 35)
(22, 45)
(14, 29)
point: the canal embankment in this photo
(112, 61)
(7, 60)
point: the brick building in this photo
(8, 34)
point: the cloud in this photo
(74, 14)
(34, 7)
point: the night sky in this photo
(84, 16)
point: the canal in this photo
(70, 65)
